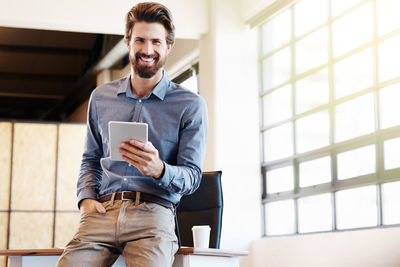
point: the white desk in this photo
(185, 257)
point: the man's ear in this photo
(126, 43)
(169, 48)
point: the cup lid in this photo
(201, 226)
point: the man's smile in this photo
(147, 60)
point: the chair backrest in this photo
(203, 207)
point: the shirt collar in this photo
(159, 91)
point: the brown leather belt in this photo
(130, 195)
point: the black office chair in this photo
(203, 207)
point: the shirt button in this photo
(159, 183)
(125, 179)
(140, 100)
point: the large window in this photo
(330, 87)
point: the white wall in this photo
(362, 248)
(97, 16)
(250, 8)
(228, 82)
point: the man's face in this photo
(148, 48)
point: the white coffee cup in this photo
(201, 236)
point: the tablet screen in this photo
(120, 131)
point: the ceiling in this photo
(45, 75)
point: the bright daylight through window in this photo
(330, 127)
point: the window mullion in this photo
(331, 114)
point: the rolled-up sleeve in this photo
(90, 171)
(184, 177)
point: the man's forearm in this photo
(180, 179)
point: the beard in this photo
(145, 71)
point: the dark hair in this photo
(150, 12)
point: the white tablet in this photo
(120, 131)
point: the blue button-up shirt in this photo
(177, 127)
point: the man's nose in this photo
(148, 48)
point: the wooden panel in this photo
(70, 148)
(66, 226)
(5, 167)
(3, 261)
(33, 166)
(31, 230)
(3, 235)
(5, 164)
(3, 229)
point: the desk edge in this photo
(182, 250)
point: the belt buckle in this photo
(123, 195)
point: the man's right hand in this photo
(90, 206)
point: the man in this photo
(127, 207)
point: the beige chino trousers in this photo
(144, 234)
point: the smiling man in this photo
(127, 207)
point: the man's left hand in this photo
(143, 156)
